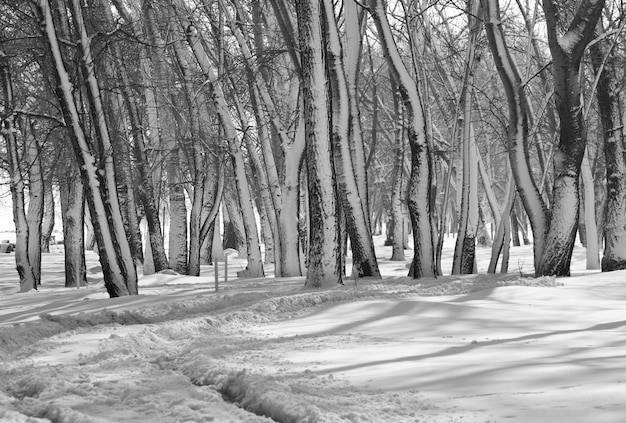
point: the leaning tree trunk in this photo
(567, 52)
(284, 205)
(611, 109)
(142, 141)
(120, 274)
(354, 208)
(355, 18)
(419, 199)
(255, 263)
(517, 130)
(324, 257)
(167, 133)
(24, 265)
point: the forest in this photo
(312, 211)
(167, 130)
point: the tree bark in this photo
(614, 136)
(34, 216)
(28, 276)
(419, 198)
(255, 264)
(353, 199)
(465, 249)
(120, 275)
(324, 257)
(567, 52)
(517, 130)
(72, 200)
(48, 217)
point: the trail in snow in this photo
(501, 348)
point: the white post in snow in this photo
(217, 282)
(228, 252)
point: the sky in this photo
(481, 348)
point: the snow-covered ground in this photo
(457, 349)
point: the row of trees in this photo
(171, 109)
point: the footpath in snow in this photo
(457, 349)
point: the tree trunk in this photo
(354, 207)
(589, 216)
(567, 52)
(465, 249)
(284, 205)
(612, 119)
(150, 181)
(120, 275)
(419, 198)
(502, 238)
(517, 130)
(324, 257)
(34, 216)
(255, 264)
(48, 217)
(25, 269)
(72, 199)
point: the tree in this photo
(567, 51)
(324, 257)
(554, 230)
(353, 195)
(608, 94)
(97, 173)
(255, 264)
(26, 265)
(465, 250)
(419, 198)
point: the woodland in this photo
(292, 131)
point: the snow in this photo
(456, 349)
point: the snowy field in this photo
(456, 349)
